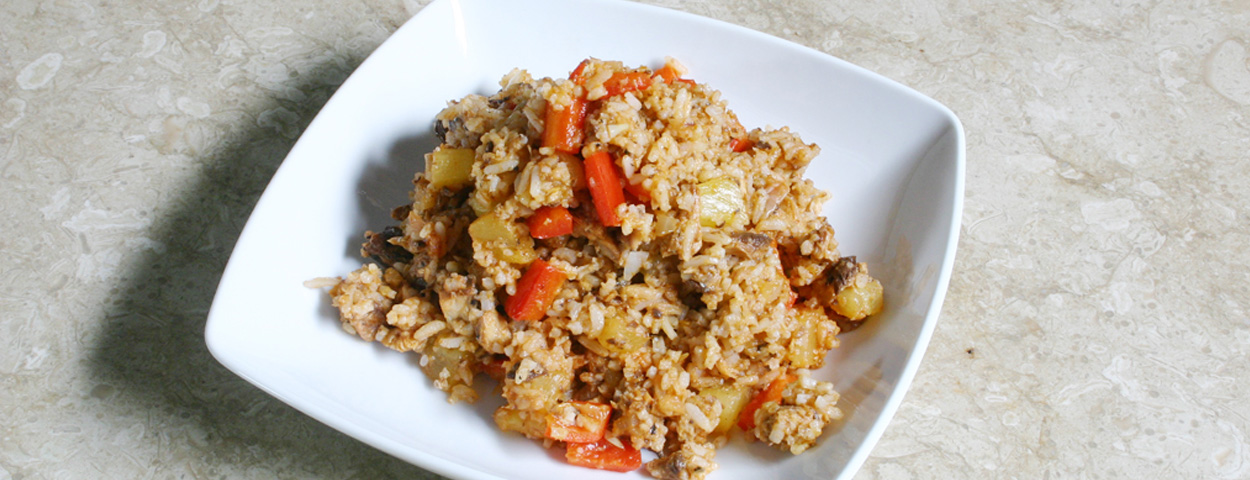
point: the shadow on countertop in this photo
(151, 347)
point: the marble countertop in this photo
(1096, 324)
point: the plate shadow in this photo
(151, 349)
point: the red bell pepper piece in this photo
(621, 82)
(578, 75)
(535, 292)
(741, 144)
(603, 455)
(605, 187)
(493, 367)
(667, 73)
(564, 129)
(639, 193)
(771, 393)
(548, 222)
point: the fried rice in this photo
(693, 290)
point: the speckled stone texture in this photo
(1095, 327)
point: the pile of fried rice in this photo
(691, 309)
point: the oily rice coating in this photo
(677, 318)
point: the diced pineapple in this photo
(531, 385)
(449, 167)
(859, 300)
(732, 401)
(480, 208)
(576, 421)
(621, 335)
(814, 334)
(530, 423)
(494, 233)
(719, 200)
(438, 359)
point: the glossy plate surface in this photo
(892, 158)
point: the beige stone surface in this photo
(1096, 324)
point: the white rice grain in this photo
(596, 318)
(616, 441)
(698, 417)
(428, 330)
(777, 435)
(451, 343)
(669, 332)
(699, 261)
(633, 262)
(322, 282)
(632, 100)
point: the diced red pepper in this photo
(535, 292)
(771, 393)
(668, 73)
(564, 130)
(741, 144)
(621, 82)
(603, 455)
(605, 187)
(589, 425)
(493, 367)
(548, 222)
(639, 193)
(578, 75)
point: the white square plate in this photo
(892, 158)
